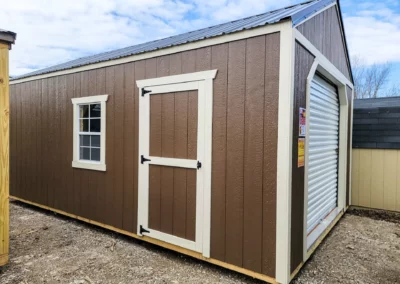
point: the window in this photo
(89, 132)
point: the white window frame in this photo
(84, 164)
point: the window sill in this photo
(89, 166)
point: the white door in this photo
(175, 162)
(323, 154)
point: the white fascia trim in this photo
(268, 29)
(175, 79)
(312, 16)
(284, 154)
(76, 162)
(334, 73)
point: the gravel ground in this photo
(49, 248)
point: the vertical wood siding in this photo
(303, 63)
(376, 179)
(324, 32)
(245, 112)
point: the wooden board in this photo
(4, 154)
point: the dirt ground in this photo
(49, 248)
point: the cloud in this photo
(373, 32)
(52, 32)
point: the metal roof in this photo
(377, 103)
(296, 13)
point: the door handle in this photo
(198, 165)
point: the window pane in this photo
(84, 140)
(84, 111)
(84, 125)
(84, 153)
(95, 125)
(95, 154)
(95, 110)
(95, 140)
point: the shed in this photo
(376, 153)
(229, 144)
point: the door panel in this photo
(172, 201)
(173, 125)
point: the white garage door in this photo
(323, 152)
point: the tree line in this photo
(371, 81)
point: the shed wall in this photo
(303, 62)
(325, 33)
(245, 113)
(376, 178)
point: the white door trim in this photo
(201, 81)
(329, 72)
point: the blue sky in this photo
(52, 32)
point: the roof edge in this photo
(7, 37)
(345, 39)
(251, 32)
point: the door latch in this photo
(145, 92)
(143, 230)
(143, 159)
(198, 165)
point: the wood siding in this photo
(376, 179)
(303, 63)
(325, 33)
(243, 204)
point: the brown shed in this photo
(229, 144)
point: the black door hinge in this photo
(143, 159)
(198, 165)
(145, 92)
(143, 230)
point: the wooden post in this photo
(6, 39)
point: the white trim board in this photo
(268, 29)
(284, 155)
(203, 83)
(174, 79)
(334, 74)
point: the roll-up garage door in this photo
(322, 152)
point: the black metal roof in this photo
(296, 13)
(376, 123)
(377, 102)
